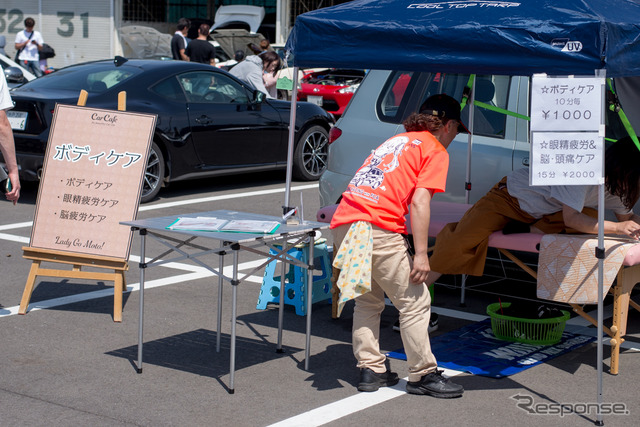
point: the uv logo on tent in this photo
(572, 47)
(567, 45)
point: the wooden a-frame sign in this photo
(92, 179)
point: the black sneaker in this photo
(372, 381)
(433, 323)
(434, 384)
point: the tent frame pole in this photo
(600, 252)
(292, 132)
(467, 182)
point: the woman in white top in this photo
(514, 206)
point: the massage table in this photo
(443, 213)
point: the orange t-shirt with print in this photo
(381, 190)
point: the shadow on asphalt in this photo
(195, 352)
(47, 290)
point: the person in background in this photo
(42, 63)
(254, 68)
(369, 228)
(271, 81)
(256, 49)
(28, 43)
(7, 146)
(179, 40)
(239, 55)
(265, 45)
(200, 50)
(514, 206)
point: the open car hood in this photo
(250, 15)
(142, 42)
(232, 40)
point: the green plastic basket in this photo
(529, 331)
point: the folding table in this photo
(280, 241)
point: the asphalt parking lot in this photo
(67, 363)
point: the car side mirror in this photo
(13, 75)
(258, 97)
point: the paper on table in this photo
(200, 223)
(250, 226)
(231, 226)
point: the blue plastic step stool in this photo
(295, 288)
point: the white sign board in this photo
(92, 180)
(567, 158)
(563, 104)
(567, 131)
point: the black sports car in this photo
(209, 123)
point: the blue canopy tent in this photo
(525, 37)
(572, 37)
(481, 37)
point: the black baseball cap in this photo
(445, 107)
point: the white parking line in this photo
(349, 405)
(166, 205)
(224, 197)
(196, 273)
(315, 417)
(14, 238)
(357, 402)
(16, 225)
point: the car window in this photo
(493, 91)
(92, 78)
(169, 89)
(394, 96)
(212, 88)
(490, 91)
(102, 80)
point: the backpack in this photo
(47, 52)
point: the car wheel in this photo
(284, 94)
(310, 155)
(153, 175)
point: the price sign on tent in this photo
(563, 104)
(567, 131)
(566, 158)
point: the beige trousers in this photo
(391, 265)
(461, 247)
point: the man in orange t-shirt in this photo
(405, 171)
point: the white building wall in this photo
(79, 31)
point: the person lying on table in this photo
(368, 227)
(515, 207)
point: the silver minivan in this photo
(500, 127)
(386, 98)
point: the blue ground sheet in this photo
(474, 349)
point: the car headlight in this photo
(350, 89)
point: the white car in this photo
(386, 98)
(14, 72)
